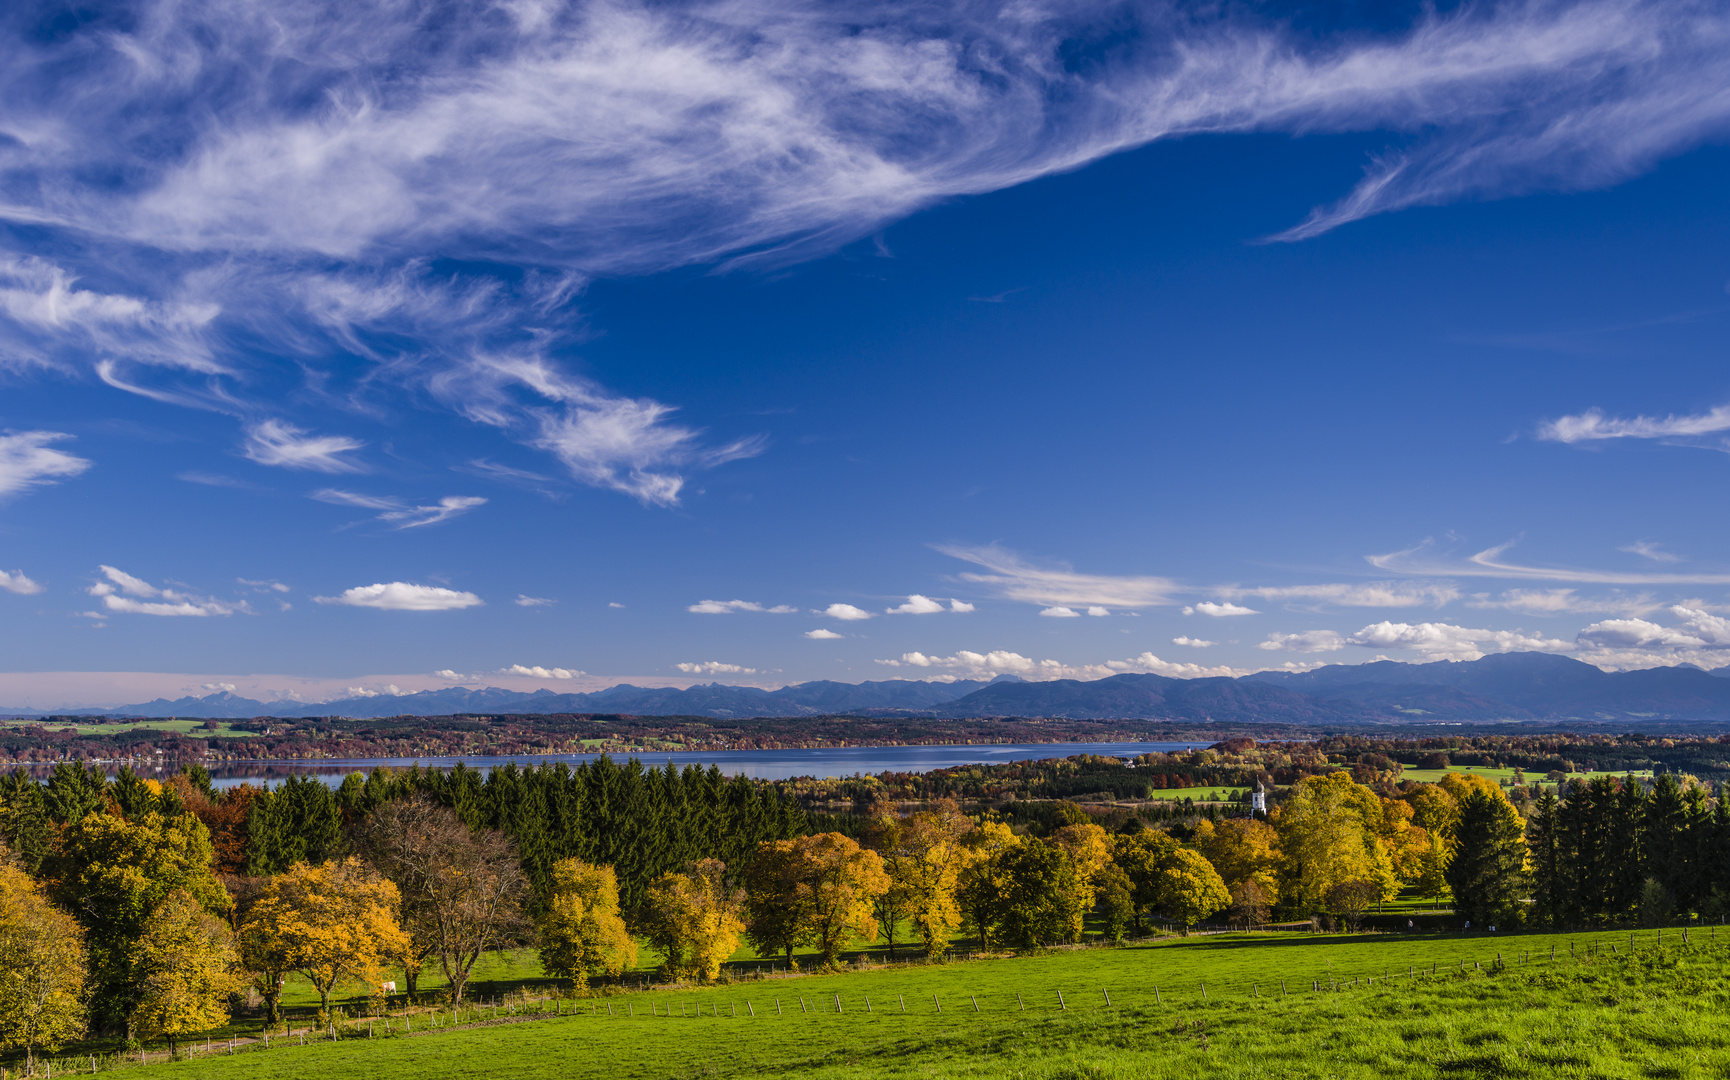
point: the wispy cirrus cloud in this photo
(28, 461)
(1390, 594)
(273, 442)
(1594, 426)
(218, 197)
(1054, 585)
(1424, 560)
(398, 512)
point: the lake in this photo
(757, 764)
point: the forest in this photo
(154, 909)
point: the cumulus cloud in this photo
(273, 442)
(823, 635)
(959, 608)
(1423, 560)
(1431, 641)
(403, 596)
(1593, 426)
(844, 612)
(1218, 611)
(525, 600)
(539, 672)
(27, 461)
(128, 595)
(1060, 613)
(15, 582)
(727, 607)
(917, 605)
(1016, 578)
(715, 667)
(1697, 630)
(1193, 643)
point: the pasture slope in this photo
(1350, 1009)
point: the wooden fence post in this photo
(1060, 1003)
(937, 1003)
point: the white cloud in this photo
(622, 138)
(1563, 601)
(27, 461)
(16, 582)
(1432, 641)
(1060, 613)
(1356, 594)
(263, 586)
(398, 512)
(402, 596)
(917, 605)
(388, 690)
(1593, 426)
(1057, 586)
(1649, 549)
(539, 672)
(220, 687)
(1310, 641)
(1193, 643)
(715, 667)
(726, 607)
(524, 600)
(273, 442)
(1098, 612)
(959, 608)
(986, 665)
(614, 604)
(1422, 560)
(1699, 629)
(129, 595)
(447, 673)
(823, 635)
(1218, 611)
(844, 612)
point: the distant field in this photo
(185, 727)
(1430, 776)
(1352, 1007)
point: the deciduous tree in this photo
(1328, 833)
(695, 919)
(42, 969)
(924, 863)
(334, 923)
(1189, 887)
(581, 931)
(186, 963)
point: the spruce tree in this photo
(1487, 873)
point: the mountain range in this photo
(1509, 686)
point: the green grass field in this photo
(185, 727)
(1430, 776)
(1349, 1009)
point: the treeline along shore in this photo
(142, 909)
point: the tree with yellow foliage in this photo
(1328, 834)
(982, 886)
(694, 919)
(1190, 888)
(186, 960)
(1089, 850)
(42, 969)
(334, 923)
(1241, 849)
(581, 930)
(924, 864)
(1437, 812)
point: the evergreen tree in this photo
(1486, 872)
(1549, 870)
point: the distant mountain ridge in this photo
(1508, 686)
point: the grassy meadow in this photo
(1351, 1006)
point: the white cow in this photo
(387, 988)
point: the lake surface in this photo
(757, 764)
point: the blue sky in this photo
(349, 346)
